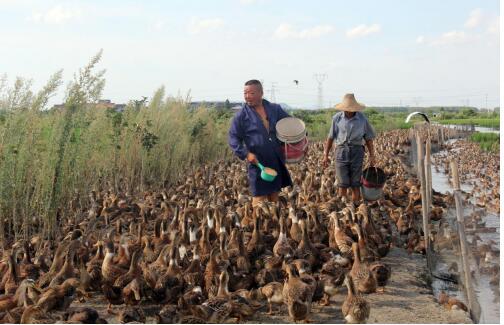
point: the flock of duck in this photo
(200, 253)
(479, 174)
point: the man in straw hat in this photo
(252, 136)
(350, 129)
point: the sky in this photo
(388, 53)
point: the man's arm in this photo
(370, 147)
(235, 139)
(327, 147)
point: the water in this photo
(487, 294)
(476, 128)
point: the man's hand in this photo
(372, 161)
(251, 158)
(325, 161)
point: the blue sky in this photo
(386, 52)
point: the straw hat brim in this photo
(354, 107)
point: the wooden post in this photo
(423, 192)
(440, 137)
(474, 309)
(428, 189)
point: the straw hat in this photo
(349, 104)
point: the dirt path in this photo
(407, 299)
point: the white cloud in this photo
(288, 31)
(200, 25)
(452, 37)
(159, 25)
(494, 26)
(363, 30)
(56, 15)
(475, 18)
(247, 2)
(420, 39)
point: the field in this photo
(484, 122)
(487, 141)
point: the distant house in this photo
(102, 103)
(215, 104)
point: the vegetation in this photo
(318, 122)
(50, 157)
(487, 141)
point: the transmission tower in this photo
(272, 92)
(320, 78)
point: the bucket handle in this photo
(367, 170)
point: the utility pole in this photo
(416, 100)
(272, 92)
(320, 78)
(486, 103)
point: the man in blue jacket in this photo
(252, 136)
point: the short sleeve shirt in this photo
(350, 131)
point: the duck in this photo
(295, 230)
(67, 271)
(273, 294)
(297, 295)
(113, 295)
(10, 279)
(25, 295)
(255, 246)
(342, 240)
(331, 276)
(364, 281)
(282, 246)
(130, 315)
(83, 315)
(170, 284)
(355, 308)
(133, 272)
(27, 269)
(306, 250)
(58, 297)
(111, 271)
(381, 272)
(451, 303)
(37, 315)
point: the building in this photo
(102, 103)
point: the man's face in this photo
(253, 95)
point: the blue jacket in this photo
(248, 134)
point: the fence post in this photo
(474, 309)
(423, 192)
(428, 188)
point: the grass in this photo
(487, 141)
(483, 122)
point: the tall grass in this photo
(50, 157)
(487, 141)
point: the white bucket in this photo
(292, 132)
